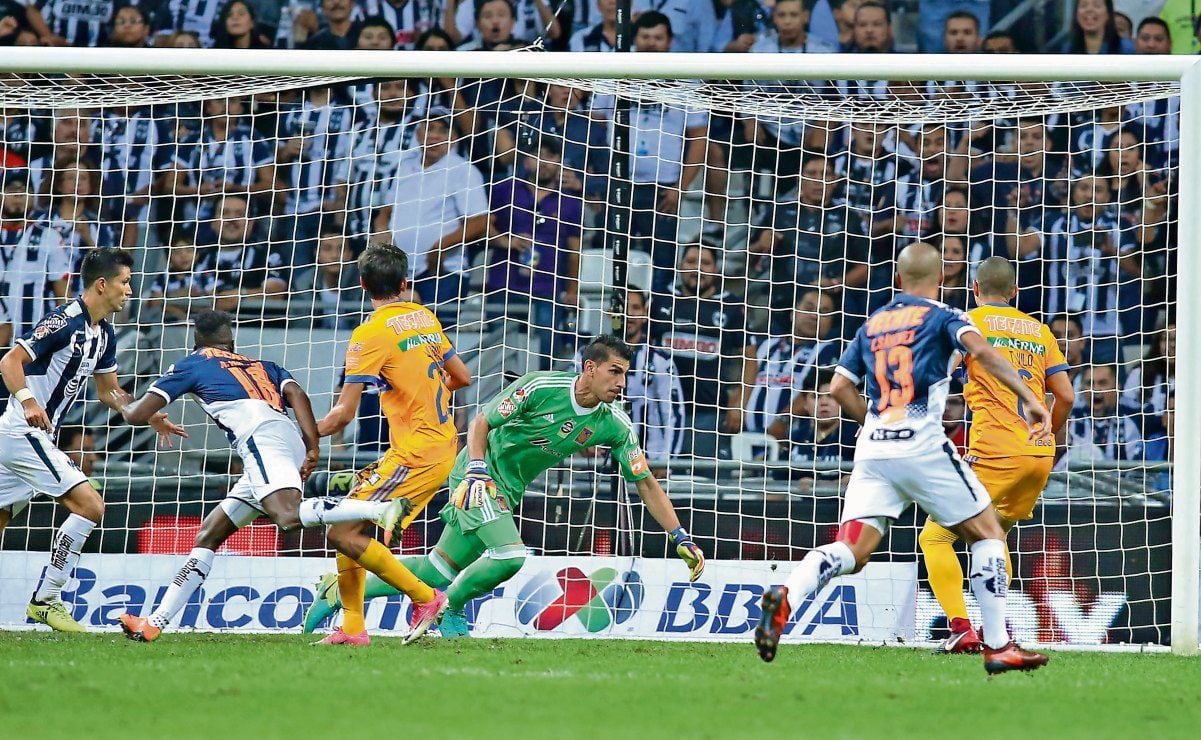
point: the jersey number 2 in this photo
(894, 373)
(443, 411)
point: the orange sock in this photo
(351, 579)
(380, 561)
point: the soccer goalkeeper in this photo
(531, 426)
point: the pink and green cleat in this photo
(425, 615)
(338, 637)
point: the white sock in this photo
(185, 583)
(64, 554)
(315, 512)
(816, 569)
(990, 584)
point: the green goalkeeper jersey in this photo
(536, 422)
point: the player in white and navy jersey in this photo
(905, 353)
(33, 260)
(248, 399)
(44, 373)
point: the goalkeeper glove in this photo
(689, 553)
(476, 486)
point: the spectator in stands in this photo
(1153, 381)
(12, 20)
(194, 17)
(189, 278)
(374, 33)
(961, 33)
(128, 138)
(1153, 37)
(872, 32)
(1100, 430)
(703, 328)
(599, 37)
(178, 40)
(1124, 25)
(741, 22)
(338, 33)
(956, 282)
(870, 172)
(954, 221)
(782, 365)
(436, 206)
(387, 130)
(236, 27)
(1074, 346)
(999, 42)
(653, 387)
(495, 23)
(920, 192)
(33, 263)
(130, 28)
(820, 436)
(338, 299)
(470, 21)
(245, 267)
(1159, 119)
(694, 24)
(536, 231)
(1094, 30)
(669, 149)
(314, 144)
(67, 23)
(407, 18)
(80, 446)
(442, 92)
(807, 238)
(844, 18)
(1160, 445)
(934, 17)
(18, 135)
(69, 143)
(791, 21)
(585, 149)
(954, 422)
(71, 205)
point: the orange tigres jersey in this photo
(999, 428)
(401, 346)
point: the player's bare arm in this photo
(848, 397)
(12, 367)
(659, 505)
(1001, 369)
(302, 407)
(1060, 388)
(343, 411)
(111, 394)
(477, 437)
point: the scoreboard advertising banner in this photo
(580, 597)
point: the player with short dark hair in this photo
(905, 353)
(248, 399)
(535, 423)
(44, 374)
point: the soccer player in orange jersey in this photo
(401, 347)
(1012, 468)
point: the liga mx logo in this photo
(605, 598)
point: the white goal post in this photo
(68, 77)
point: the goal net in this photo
(739, 230)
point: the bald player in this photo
(1013, 467)
(905, 354)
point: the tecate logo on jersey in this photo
(605, 598)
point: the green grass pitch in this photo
(234, 686)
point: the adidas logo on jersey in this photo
(548, 418)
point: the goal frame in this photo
(1186, 498)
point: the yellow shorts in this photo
(1013, 483)
(393, 476)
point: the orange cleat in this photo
(338, 637)
(139, 629)
(963, 639)
(772, 622)
(1012, 658)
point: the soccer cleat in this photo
(772, 622)
(55, 615)
(963, 638)
(326, 603)
(139, 629)
(1012, 658)
(453, 624)
(424, 616)
(338, 637)
(392, 517)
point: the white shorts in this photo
(271, 460)
(31, 464)
(939, 482)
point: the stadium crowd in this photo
(235, 200)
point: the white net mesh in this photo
(764, 223)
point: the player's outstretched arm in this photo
(146, 411)
(1060, 387)
(12, 367)
(343, 411)
(848, 397)
(995, 363)
(659, 505)
(302, 407)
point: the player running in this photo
(531, 426)
(1013, 468)
(248, 399)
(45, 372)
(906, 352)
(402, 348)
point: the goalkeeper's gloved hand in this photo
(688, 552)
(475, 487)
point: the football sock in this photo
(380, 561)
(942, 563)
(816, 569)
(990, 583)
(64, 554)
(183, 585)
(315, 512)
(480, 578)
(350, 589)
(419, 565)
